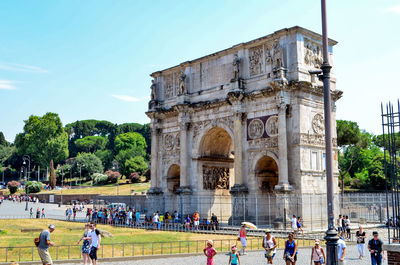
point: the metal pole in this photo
(331, 234)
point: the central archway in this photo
(216, 143)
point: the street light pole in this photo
(331, 234)
(115, 167)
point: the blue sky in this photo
(92, 59)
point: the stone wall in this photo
(393, 253)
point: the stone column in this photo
(184, 121)
(154, 172)
(283, 184)
(238, 149)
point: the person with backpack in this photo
(269, 244)
(95, 239)
(290, 252)
(375, 248)
(317, 254)
(43, 243)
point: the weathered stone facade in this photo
(245, 121)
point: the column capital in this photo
(185, 126)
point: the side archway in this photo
(173, 178)
(267, 173)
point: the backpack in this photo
(36, 240)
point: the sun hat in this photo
(267, 231)
(234, 247)
(317, 241)
(210, 242)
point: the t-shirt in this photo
(360, 237)
(294, 222)
(341, 246)
(376, 245)
(44, 237)
(94, 238)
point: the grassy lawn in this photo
(125, 241)
(109, 189)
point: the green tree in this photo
(91, 144)
(106, 156)
(88, 163)
(33, 187)
(44, 139)
(3, 141)
(135, 164)
(5, 153)
(350, 141)
(131, 140)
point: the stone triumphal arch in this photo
(240, 123)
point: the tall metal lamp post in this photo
(324, 75)
(115, 167)
(62, 181)
(27, 159)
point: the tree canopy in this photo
(44, 139)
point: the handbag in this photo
(36, 240)
(321, 260)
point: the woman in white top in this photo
(269, 245)
(317, 254)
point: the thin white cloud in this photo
(21, 68)
(394, 9)
(7, 84)
(126, 98)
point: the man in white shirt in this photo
(294, 224)
(95, 239)
(341, 251)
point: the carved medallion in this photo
(255, 129)
(215, 178)
(271, 126)
(168, 142)
(318, 124)
(255, 59)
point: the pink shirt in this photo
(242, 233)
(210, 252)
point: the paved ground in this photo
(9, 210)
(253, 258)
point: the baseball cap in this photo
(52, 226)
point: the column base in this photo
(283, 187)
(239, 188)
(184, 190)
(155, 191)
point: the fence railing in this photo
(118, 250)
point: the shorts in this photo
(340, 229)
(45, 256)
(295, 258)
(196, 222)
(243, 241)
(294, 228)
(271, 257)
(93, 253)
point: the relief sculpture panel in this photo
(215, 178)
(256, 60)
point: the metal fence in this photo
(266, 210)
(119, 250)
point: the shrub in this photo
(13, 186)
(134, 177)
(113, 176)
(99, 179)
(33, 186)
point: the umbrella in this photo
(250, 225)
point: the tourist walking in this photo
(37, 213)
(210, 252)
(348, 234)
(294, 224)
(360, 234)
(290, 252)
(341, 251)
(196, 221)
(269, 244)
(187, 222)
(74, 211)
(85, 245)
(214, 222)
(95, 239)
(300, 225)
(234, 256)
(375, 248)
(242, 239)
(44, 244)
(317, 254)
(31, 213)
(339, 225)
(43, 213)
